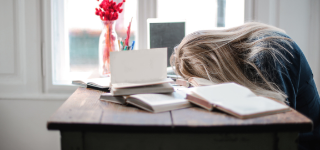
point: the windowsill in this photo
(68, 77)
(45, 97)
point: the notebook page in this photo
(138, 66)
(253, 105)
(217, 94)
(237, 98)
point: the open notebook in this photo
(102, 83)
(234, 99)
(139, 71)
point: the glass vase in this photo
(108, 42)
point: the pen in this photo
(132, 45)
(125, 48)
(122, 45)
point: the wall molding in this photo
(146, 9)
(249, 10)
(314, 38)
(300, 19)
(274, 6)
(26, 36)
(18, 75)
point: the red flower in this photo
(109, 10)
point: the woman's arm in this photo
(281, 69)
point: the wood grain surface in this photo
(198, 119)
(84, 111)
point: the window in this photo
(76, 29)
(76, 35)
(203, 14)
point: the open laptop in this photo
(166, 33)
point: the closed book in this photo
(133, 85)
(234, 99)
(151, 102)
(114, 99)
(159, 102)
(156, 88)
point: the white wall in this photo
(25, 106)
(299, 18)
(23, 125)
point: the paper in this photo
(238, 99)
(138, 66)
(127, 85)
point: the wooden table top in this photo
(84, 111)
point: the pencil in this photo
(119, 45)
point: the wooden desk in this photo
(86, 123)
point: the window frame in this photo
(146, 9)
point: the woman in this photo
(260, 57)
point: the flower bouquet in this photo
(109, 12)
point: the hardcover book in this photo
(151, 102)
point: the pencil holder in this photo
(108, 42)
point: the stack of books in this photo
(139, 78)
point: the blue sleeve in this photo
(281, 71)
(293, 75)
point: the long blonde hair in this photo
(227, 56)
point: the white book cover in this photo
(159, 102)
(138, 67)
(127, 85)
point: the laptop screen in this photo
(165, 34)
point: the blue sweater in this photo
(294, 77)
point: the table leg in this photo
(71, 140)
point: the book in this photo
(139, 71)
(114, 99)
(156, 88)
(151, 102)
(102, 83)
(194, 81)
(129, 85)
(183, 83)
(235, 100)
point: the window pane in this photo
(203, 14)
(84, 29)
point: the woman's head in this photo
(227, 56)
